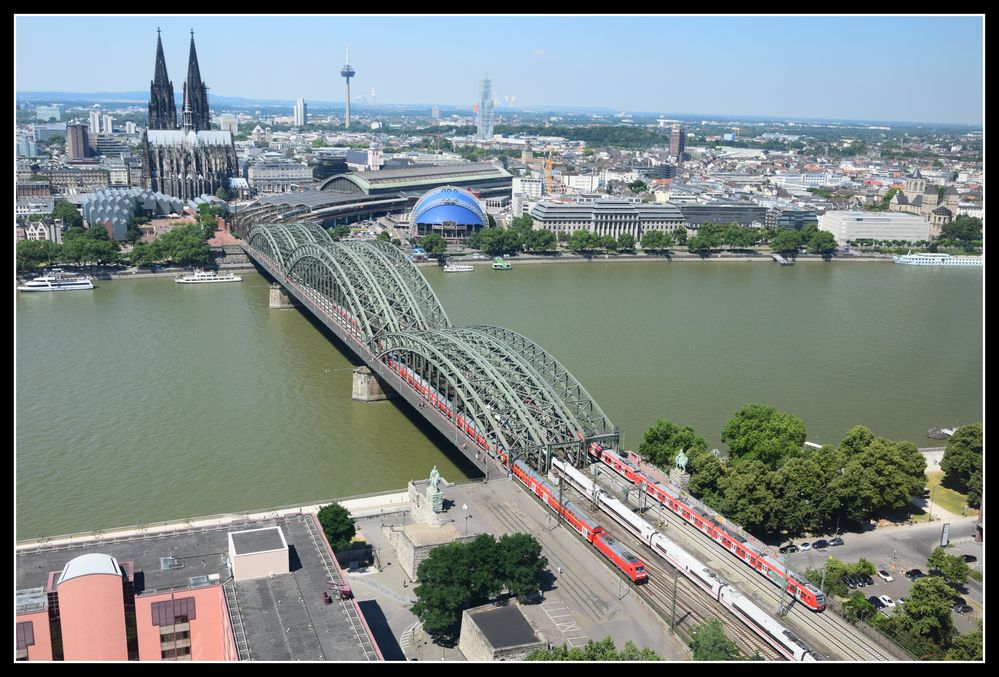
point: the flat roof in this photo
(283, 617)
(504, 626)
(257, 540)
(87, 564)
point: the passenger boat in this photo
(938, 260)
(499, 263)
(458, 268)
(201, 276)
(57, 280)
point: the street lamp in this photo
(464, 506)
(933, 491)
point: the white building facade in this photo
(855, 225)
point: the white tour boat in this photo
(201, 276)
(57, 280)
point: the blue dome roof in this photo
(448, 203)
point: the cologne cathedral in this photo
(191, 160)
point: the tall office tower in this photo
(162, 107)
(107, 124)
(347, 72)
(677, 142)
(229, 123)
(95, 123)
(196, 91)
(130, 127)
(485, 121)
(300, 112)
(435, 113)
(78, 141)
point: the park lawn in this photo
(948, 499)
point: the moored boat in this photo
(204, 276)
(57, 280)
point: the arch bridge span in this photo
(496, 394)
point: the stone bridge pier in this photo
(279, 297)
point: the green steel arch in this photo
(278, 240)
(523, 397)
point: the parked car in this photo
(936, 572)
(969, 558)
(861, 581)
(887, 601)
(850, 581)
(962, 609)
(914, 574)
(836, 541)
(877, 603)
(900, 600)
(867, 579)
(789, 548)
(820, 544)
(959, 601)
(885, 575)
(804, 547)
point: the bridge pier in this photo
(279, 298)
(368, 387)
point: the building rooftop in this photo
(257, 540)
(90, 563)
(283, 617)
(504, 626)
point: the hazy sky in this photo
(925, 69)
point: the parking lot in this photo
(897, 550)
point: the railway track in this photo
(693, 605)
(827, 632)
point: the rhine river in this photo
(145, 400)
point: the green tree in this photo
(664, 440)
(962, 461)
(857, 607)
(520, 563)
(604, 650)
(69, 214)
(384, 236)
(882, 477)
(954, 569)
(803, 502)
(319, 143)
(33, 253)
(434, 244)
(626, 242)
(656, 241)
(786, 240)
(583, 240)
(638, 186)
(680, 236)
(968, 646)
(748, 499)
(761, 432)
(706, 477)
(823, 242)
(455, 577)
(608, 243)
(963, 228)
(339, 232)
(222, 193)
(338, 525)
(924, 624)
(709, 643)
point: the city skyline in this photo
(860, 68)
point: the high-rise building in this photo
(485, 121)
(107, 124)
(435, 113)
(677, 142)
(162, 107)
(95, 123)
(347, 72)
(26, 147)
(301, 112)
(130, 127)
(77, 141)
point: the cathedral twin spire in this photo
(162, 106)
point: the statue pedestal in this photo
(679, 478)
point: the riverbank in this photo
(676, 258)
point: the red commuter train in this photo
(764, 564)
(616, 552)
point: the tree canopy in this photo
(664, 440)
(761, 432)
(954, 568)
(656, 241)
(604, 650)
(462, 575)
(709, 643)
(338, 525)
(786, 240)
(963, 461)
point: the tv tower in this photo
(347, 72)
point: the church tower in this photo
(162, 108)
(196, 91)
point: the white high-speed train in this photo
(782, 639)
